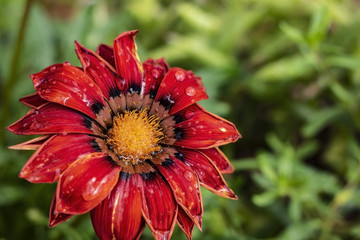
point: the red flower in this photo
(126, 141)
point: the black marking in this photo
(124, 175)
(111, 160)
(178, 118)
(95, 145)
(87, 122)
(167, 102)
(180, 156)
(152, 94)
(97, 107)
(148, 176)
(168, 162)
(114, 92)
(178, 133)
(135, 88)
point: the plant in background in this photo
(126, 141)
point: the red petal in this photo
(33, 100)
(107, 53)
(128, 64)
(179, 89)
(220, 160)
(154, 72)
(185, 223)
(32, 144)
(85, 183)
(208, 174)
(55, 155)
(102, 73)
(53, 118)
(159, 206)
(185, 186)
(201, 129)
(55, 217)
(69, 86)
(119, 215)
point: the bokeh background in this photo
(287, 73)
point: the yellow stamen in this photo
(135, 136)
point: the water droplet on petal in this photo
(91, 189)
(180, 76)
(86, 61)
(190, 91)
(190, 188)
(102, 64)
(52, 68)
(163, 84)
(222, 129)
(91, 84)
(189, 114)
(66, 64)
(155, 73)
(189, 176)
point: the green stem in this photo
(14, 71)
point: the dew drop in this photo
(47, 91)
(163, 84)
(190, 91)
(222, 129)
(91, 189)
(66, 64)
(155, 73)
(190, 189)
(102, 64)
(189, 176)
(91, 84)
(52, 68)
(86, 61)
(189, 114)
(180, 76)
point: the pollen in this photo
(134, 136)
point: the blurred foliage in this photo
(287, 73)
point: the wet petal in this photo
(119, 215)
(33, 100)
(128, 64)
(154, 71)
(185, 186)
(185, 223)
(32, 144)
(69, 86)
(102, 73)
(219, 159)
(179, 89)
(201, 129)
(107, 53)
(159, 206)
(55, 217)
(55, 155)
(85, 183)
(208, 174)
(54, 118)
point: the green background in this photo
(286, 72)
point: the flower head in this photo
(126, 141)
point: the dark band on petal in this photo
(110, 159)
(135, 89)
(148, 175)
(152, 94)
(95, 145)
(180, 156)
(87, 122)
(178, 133)
(124, 175)
(167, 163)
(178, 118)
(167, 102)
(97, 107)
(114, 92)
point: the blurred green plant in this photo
(286, 72)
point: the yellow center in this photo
(135, 136)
